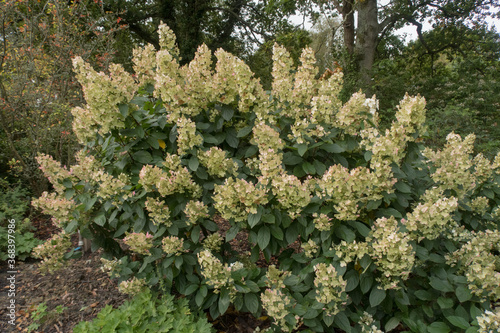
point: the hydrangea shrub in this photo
(370, 231)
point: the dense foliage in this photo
(387, 233)
(147, 313)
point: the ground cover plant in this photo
(392, 235)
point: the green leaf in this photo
(463, 294)
(402, 187)
(100, 219)
(458, 322)
(439, 284)
(244, 131)
(301, 149)
(227, 113)
(352, 278)
(328, 319)
(391, 324)
(308, 168)
(342, 321)
(68, 183)
(438, 327)
(365, 283)
(424, 295)
(252, 302)
(193, 163)
(153, 142)
(142, 156)
(123, 109)
(290, 158)
(232, 232)
(377, 296)
(231, 138)
(263, 237)
(224, 301)
(253, 219)
(71, 227)
(123, 228)
(445, 303)
(333, 148)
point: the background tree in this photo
(37, 84)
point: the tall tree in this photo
(37, 84)
(235, 25)
(378, 19)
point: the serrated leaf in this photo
(100, 219)
(227, 112)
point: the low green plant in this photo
(40, 316)
(368, 226)
(14, 206)
(147, 312)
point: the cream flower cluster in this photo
(132, 287)
(480, 205)
(234, 80)
(392, 252)
(57, 206)
(350, 188)
(52, 252)
(305, 85)
(53, 171)
(195, 210)
(292, 194)
(431, 217)
(109, 267)
(111, 187)
(310, 248)
(103, 94)
(158, 210)
(186, 136)
(170, 182)
(282, 78)
(368, 324)
(213, 242)
(489, 322)
(144, 59)
(349, 252)
(216, 162)
(172, 245)
(237, 198)
(453, 164)
(330, 288)
(275, 277)
(217, 274)
(478, 263)
(270, 144)
(322, 222)
(354, 114)
(139, 242)
(277, 305)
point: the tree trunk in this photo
(366, 40)
(348, 25)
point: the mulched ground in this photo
(82, 290)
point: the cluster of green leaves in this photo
(147, 312)
(14, 205)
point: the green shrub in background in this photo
(370, 229)
(147, 313)
(14, 205)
